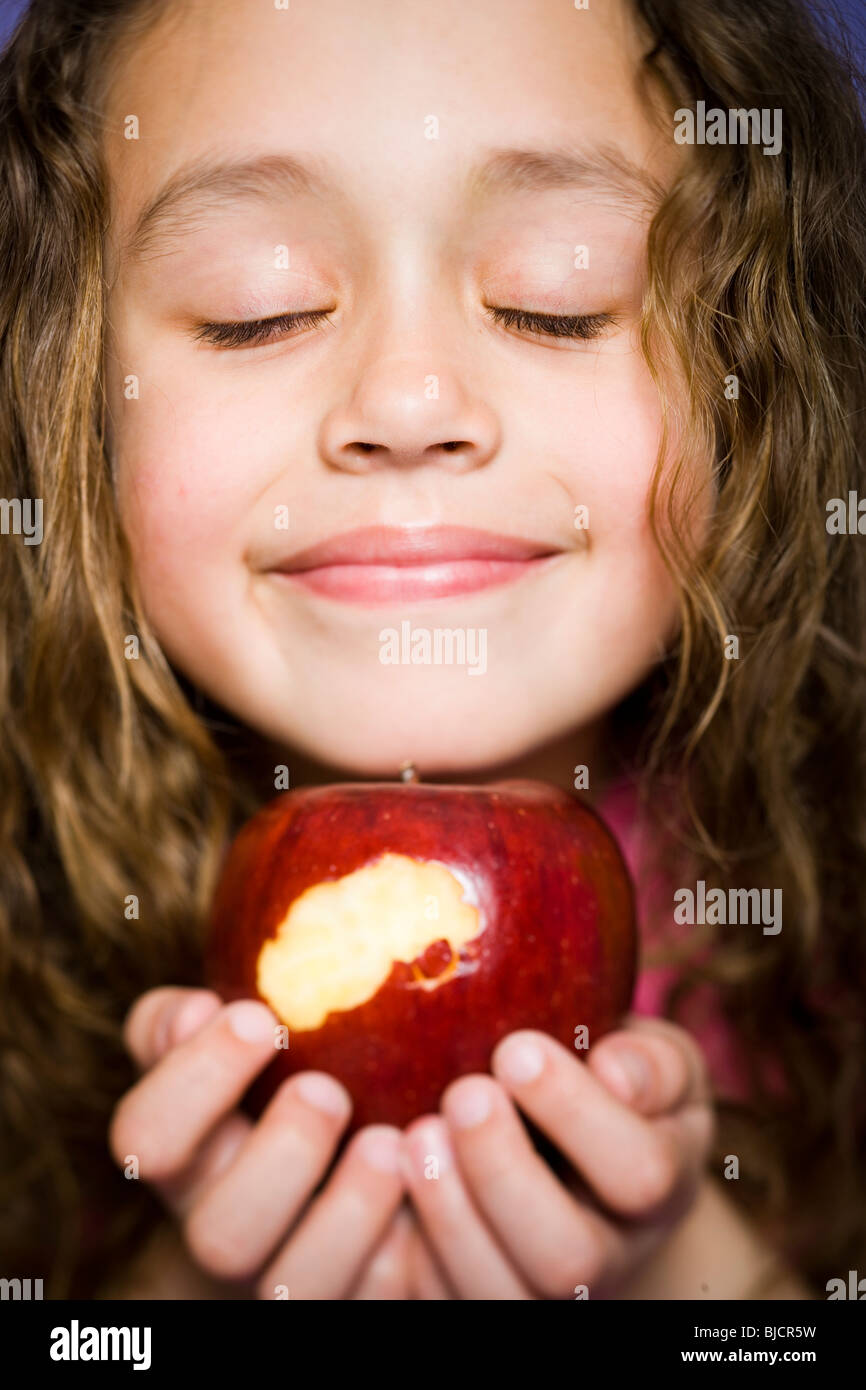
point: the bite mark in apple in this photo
(339, 940)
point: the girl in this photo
(318, 320)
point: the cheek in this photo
(183, 486)
(187, 461)
(631, 591)
(618, 431)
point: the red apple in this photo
(400, 930)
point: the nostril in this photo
(452, 444)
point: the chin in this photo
(376, 739)
(449, 747)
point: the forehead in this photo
(392, 101)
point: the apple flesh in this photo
(399, 931)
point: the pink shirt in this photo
(700, 1015)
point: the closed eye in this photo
(580, 326)
(256, 332)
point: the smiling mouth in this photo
(379, 564)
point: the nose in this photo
(404, 413)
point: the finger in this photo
(653, 1065)
(556, 1243)
(426, 1279)
(326, 1254)
(631, 1163)
(472, 1258)
(164, 1017)
(166, 1116)
(241, 1217)
(386, 1276)
(211, 1159)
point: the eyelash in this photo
(580, 326)
(257, 332)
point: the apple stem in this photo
(408, 773)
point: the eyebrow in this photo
(205, 184)
(596, 167)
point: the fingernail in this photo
(429, 1151)
(250, 1021)
(382, 1148)
(519, 1060)
(468, 1105)
(323, 1093)
(630, 1071)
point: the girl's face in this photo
(409, 169)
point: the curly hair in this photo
(121, 783)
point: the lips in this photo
(384, 564)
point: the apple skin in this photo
(556, 946)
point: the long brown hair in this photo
(758, 296)
(119, 783)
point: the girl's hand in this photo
(243, 1190)
(500, 1222)
(403, 1267)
